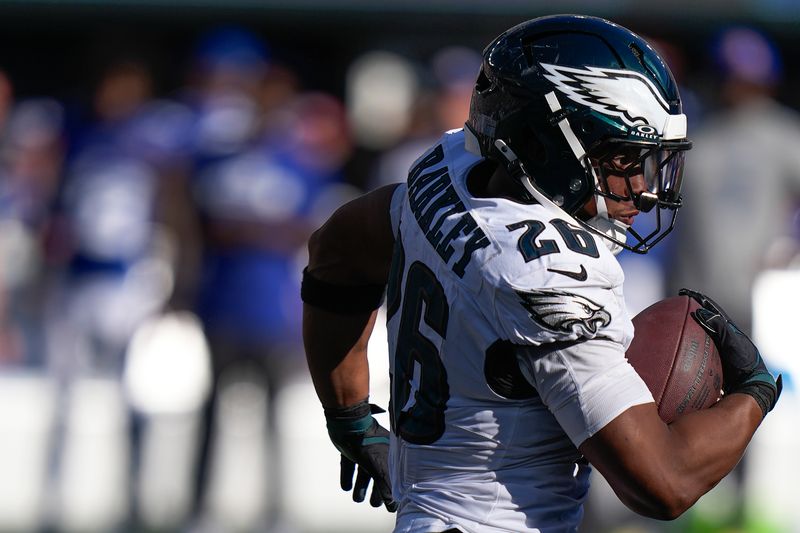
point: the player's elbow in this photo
(670, 508)
(666, 502)
(661, 494)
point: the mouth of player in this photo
(627, 217)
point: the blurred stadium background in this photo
(163, 162)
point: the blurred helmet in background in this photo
(746, 54)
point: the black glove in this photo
(743, 368)
(363, 442)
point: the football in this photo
(675, 357)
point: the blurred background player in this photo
(268, 157)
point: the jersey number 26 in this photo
(419, 382)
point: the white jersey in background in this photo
(507, 334)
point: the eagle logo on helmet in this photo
(564, 312)
(624, 94)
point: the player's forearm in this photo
(701, 448)
(336, 351)
(707, 444)
(697, 451)
(660, 471)
(348, 267)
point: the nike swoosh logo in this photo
(579, 275)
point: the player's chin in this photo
(626, 218)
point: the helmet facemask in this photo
(651, 175)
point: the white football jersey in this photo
(507, 333)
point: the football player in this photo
(507, 327)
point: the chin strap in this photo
(517, 172)
(613, 229)
(600, 223)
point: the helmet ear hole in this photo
(483, 84)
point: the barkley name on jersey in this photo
(507, 334)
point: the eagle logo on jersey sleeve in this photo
(564, 312)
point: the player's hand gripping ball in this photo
(676, 357)
(742, 365)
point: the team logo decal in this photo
(564, 311)
(625, 94)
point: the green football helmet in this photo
(565, 102)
